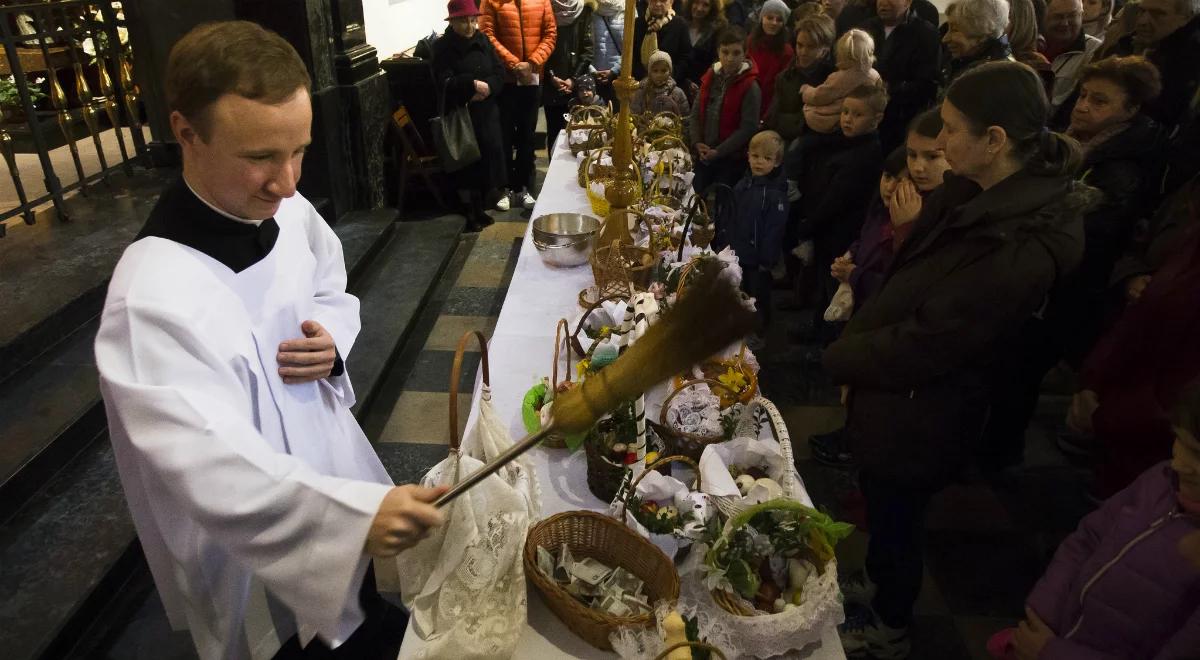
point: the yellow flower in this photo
(605, 331)
(581, 367)
(733, 379)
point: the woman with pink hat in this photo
(468, 72)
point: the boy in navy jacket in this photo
(755, 228)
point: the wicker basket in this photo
(575, 338)
(456, 375)
(603, 475)
(758, 411)
(591, 118)
(611, 264)
(590, 534)
(621, 500)
(558, 440)
(714, 369)
(678, 442)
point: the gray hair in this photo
(1190, 8)
(985, 18)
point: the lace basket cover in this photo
(465, 584)
(767, 635)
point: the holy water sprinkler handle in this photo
(524, 445)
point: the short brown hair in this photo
(1134, 74)
(819, 27)
(763, 138)
(732, 35)
(875, 96)
(231, 57)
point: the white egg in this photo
(744, 483)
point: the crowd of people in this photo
(964, 202)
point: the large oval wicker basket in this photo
(591, 534)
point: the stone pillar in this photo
(350, 98)
(364, 92)
(155, 26)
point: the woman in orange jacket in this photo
(523, 32)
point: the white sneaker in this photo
(503, 204)
(527, 200)
(872, 638)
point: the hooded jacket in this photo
(761, 211)
(918, 354)
(1119, 586)
(520, 31)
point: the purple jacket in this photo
(1118, 587)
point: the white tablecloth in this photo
(521, 351)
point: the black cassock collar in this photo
(181, 216)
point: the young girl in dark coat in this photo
(468, 72)
(986, 249)
(1124, 585)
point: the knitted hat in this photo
(659, 56)
(775, 6)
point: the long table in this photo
(521, 351)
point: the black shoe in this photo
(831, 449)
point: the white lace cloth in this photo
(465, 584)
(767, 635)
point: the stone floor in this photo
(988, 540)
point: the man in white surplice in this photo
(258, 500)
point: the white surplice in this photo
(252, 498)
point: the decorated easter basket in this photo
(762, 412)
(595, 535)
(680, 442)
(620, 503)
(588, 128)
(715, 592)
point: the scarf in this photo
(566, 11)
(1100, 138)
(656, 24)
(610, 8)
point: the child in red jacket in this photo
(725, 115)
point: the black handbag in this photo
(454, 135)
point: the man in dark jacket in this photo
(1172, 30)
(907, 53)
(856, 14)
(660, 28)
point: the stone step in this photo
(51, 407)
(67, 545)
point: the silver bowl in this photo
(565, 239)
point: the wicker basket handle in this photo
(696, 645)
(561, 337)
(456, 374)
(659, 462)
(576, 345)
(662, 414)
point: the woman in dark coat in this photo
(986, 249)
(1122, 159)
(974, 34)
(467, 69)
(812, 64)
(705, 20)
(572, 57)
